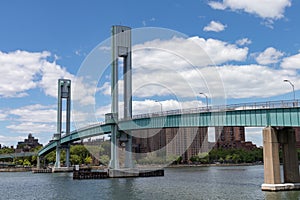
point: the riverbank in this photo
(16, 169)
(28, 169)
(213, 165)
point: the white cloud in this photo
(34, 113)
(22, 71)
(151, 106)
(243, 41)
(215, 26)
(2, 115)
(292, 62)
(269, 56)
(199, 51)
(33, 119)
(9, 140)
(248, 81)
(179, 67)
(163, 68)
(30, 127)
(18, 72)
(266, 9)
(254, 134)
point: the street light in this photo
(160, 105)
(205, 98)
(292, 87)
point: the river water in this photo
(234, 182)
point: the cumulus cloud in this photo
(266, 9)
(215, 26)
(22, 71)
(35, 118)
(18, 72)
(179, 67)
(269, 56)
(34, 113)
(292, 62)
(151, 106)
(243, 41)
(30, 127)
(8, 140)
(199, 51)
(246, 81)
(2, 116)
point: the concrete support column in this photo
(128, 152)
(57, 161)
(38, 163)
(68, 156)
(271, 156)
(290, 155)
(114, 158)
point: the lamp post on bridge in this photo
(288, 81)
(161, 108)
(205, 98)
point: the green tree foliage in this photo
(229, 156)
(88, 160)
(6, 150)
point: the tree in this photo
(88, 160)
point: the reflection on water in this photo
(238, 182)
(282, 195)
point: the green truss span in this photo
(248, 117)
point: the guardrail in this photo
(224, 108)
(218, 108)
(16, 155)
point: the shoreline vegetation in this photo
(29, 169)
(83, 155)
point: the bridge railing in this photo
(240, 106)
(16, 155)
(218, 108)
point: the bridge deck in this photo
(279, 113)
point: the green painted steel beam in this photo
(277, 117)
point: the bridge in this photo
(258, 114)
(18, 155)
(278, 119)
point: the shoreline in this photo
(16, 169)
(29, 169)
(213, 165)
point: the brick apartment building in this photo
(232, 137)
(177, 141)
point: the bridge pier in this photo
(67, 156)
(57, 157)
(38, 162)
(272, 139)
(64, 92)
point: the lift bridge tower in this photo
(64, 92)
(121, 51)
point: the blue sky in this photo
(253, 43)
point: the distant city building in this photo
(187, 142)
(232, 137)
(28, 144)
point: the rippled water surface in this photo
(238, 182)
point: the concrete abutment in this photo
(272, 139)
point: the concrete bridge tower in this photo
(121, 48)
(64, 92)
